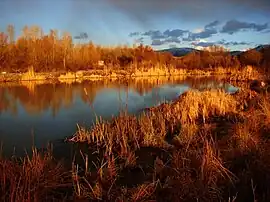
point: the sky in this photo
(234, 24)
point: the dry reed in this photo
(35, 178)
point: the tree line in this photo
(57, 51)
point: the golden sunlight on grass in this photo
(203, 146)
(187, 134)
(194, 104)
(150, 129)
(245, 135)
(212, 165)
(247, 73)
(30, 75)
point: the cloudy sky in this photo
(236, 24)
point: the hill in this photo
(178, 52)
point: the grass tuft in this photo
(35, 178)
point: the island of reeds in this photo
(204, 146)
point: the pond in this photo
(34, 113)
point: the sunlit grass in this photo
(187, 121)
(30, 75)
(192, 149)
(194, 104)
(156, 71)
(150, 129)
(246, 137)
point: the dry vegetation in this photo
(33, 178)
(205, 146)
(57, 52)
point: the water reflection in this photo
(39, 112)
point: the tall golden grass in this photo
(30, 75)
(197, 165)
(232, 74)
(194, 104)
(150, 129)
(35, 178)
(194, 149)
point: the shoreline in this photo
(230, 73)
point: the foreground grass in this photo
(206, 146)
(35, 178)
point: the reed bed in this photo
(205, 146)
(33, 178)
(231, 74)
(197, 144)
(151, 127)
(30, 75)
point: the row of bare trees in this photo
(57, 51)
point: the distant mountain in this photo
(262, 47)
(235, 53)
(178, 52)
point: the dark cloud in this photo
(266, 31)
(145, 12)
(234, 26)
(173, 40)
(175, 33)
(212, 24)
(154, 34)
(82, 35)
(139, 40)
(158, 42)
(261, 5)
(159, 37)
(209, 30)
(203, 44)
(233, 43)
(132, 34)
(168, 35)
(201, 35)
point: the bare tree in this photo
(67, 43)
(11, 33)
(35, 32)
(25, 32)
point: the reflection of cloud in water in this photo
(122, 98)
(164, 93)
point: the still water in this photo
(37, 113)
